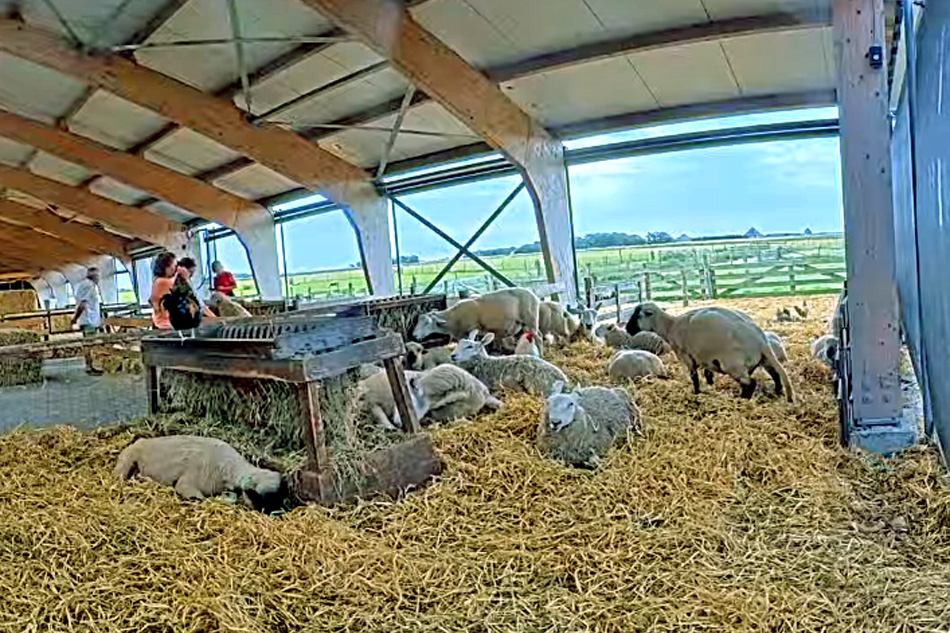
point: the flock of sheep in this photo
(500, 340)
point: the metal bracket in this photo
(876, 57)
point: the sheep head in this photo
(429, 324)
(561, 409)
(644, 318)
(471, 347)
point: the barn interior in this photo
(133, 127)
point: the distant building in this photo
(752, 233)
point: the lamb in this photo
(454, 393)
(553, 321)
(499, 373)
(578, 428)
(648, 341)
(420, 359)
(200, 467)
(802, 310)
(376, 398)
(714, 339)
(226, 307)
(635, 364)
(778, 347)
(582, 327)
(825, 349)
(503, 312)
(526, 345)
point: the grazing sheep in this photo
(554, 321)
(635, 364)
(825, 349)
(578, 428)
(454, 393)
(200, 467)
(777, 345)
(226, 307)
(515, 373)
(420, 359)
(715, 340)
(526, 345)
(377, 399)
(503, 312)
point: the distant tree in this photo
(659, 237)
(807, 231)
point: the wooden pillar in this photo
(868, 214)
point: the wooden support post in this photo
(639, 291)
(589, 293)
(869, 220)
(308, 399)
(791, 278)
(713, 293)
(685, 287)
(646, 286)
(152, 388)
(617, 300)
(397, 382)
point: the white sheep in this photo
(499, 373)
(376, 398)
(454, 393)
(554, 321)
(578, 428)
(200, 467)
(635, 364)
(226, 307)
(419, 358)
(503, 312)
(526, 345)
(715, 340)
(777, 345)
(617, 338)
(582, 323)
(825, 349)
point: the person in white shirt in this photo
(88, 314)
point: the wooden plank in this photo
(76, 346)
(400, 390)
(152, 389)
(323, 335)
(351, 357)
(223, 365)
(75, 233)
(308, 399)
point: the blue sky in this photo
(783, 186)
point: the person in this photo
(164, 272)
(88, 313)
(188, 267)
(224, 282)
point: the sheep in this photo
(635, 364)
(515, 373)
(526, 345)
(553, 321)
(617, 338)
(778, 347)
(578, 428)
(376, 399)
(226, 307)
(802, 310)
(200, 467)
(454, 393)
(782, 315)
(582, 327)
(825, 349)
(420, 359)
(503, 312)
(714, 339)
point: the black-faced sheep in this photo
(715, 340)
(578, 428)
(635, 364)
(501, 373)
(503, 312)
(200, 467)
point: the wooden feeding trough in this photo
(302, 349)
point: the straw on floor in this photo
(727, 516)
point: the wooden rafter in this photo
(50, 246)
(29, 254)
(141, 223)
(75, 233)
(279, 149)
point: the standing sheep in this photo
(553, 321)
(715, 340)
(635, 364)
(200, 467)
(454, 393)
(503, 312)
(499, 373)
(578, 428)
(778, 347)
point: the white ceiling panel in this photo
(779, 62)
(215, 66)
(255, 182)
(722, 9)
(98, 24)
(13, 153)
(35, 90)
(466, 31)
(583, 92)
(114, 121)
(188, 152)
(171, 211)
(54, 168)
(644, 16)
(377, 88)
(694, 73)
(118, 191)
(319, 69)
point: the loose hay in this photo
(19, 370)
(14, 336)
(118, 359)
(728, 516)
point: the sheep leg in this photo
(382, 419)
(694, 376)
(709, 377)
(748, 386)
(776, 379)
(455, 396)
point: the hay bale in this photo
(18, 336)
(118, 359)
(18, 301)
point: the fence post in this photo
(589, 291)
(639, 291)
(617, 300)
(412, 286)
(685, 288)
(706, 275)
(646, 286)
(713, 293)
(791, 278)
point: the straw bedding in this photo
(727, 516)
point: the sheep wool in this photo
(635, 364)
(453, 393)
(506, 373)
(778, 347)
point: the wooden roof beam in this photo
(28, 254)
(50, 246)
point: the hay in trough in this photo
(118, 359)
(15, 336)
(727, 516)
(19, 370)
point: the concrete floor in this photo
(69, 396)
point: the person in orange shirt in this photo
(163, 280)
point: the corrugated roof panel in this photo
(578, 93)
(319, 69)
(118, 191)
(54, 168)
(114, 121)
(215, 66)
(95, 23)
(377, 88)
(13, 153)
(779, 62)
(171, 211)
(35, 90)
(693, 73)
(255, 182)
(188, 152)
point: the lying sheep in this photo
(454, 393)
(715, 340)
(778, 347)
(651, 342)
(226, 307)
(578, 428)
(503, 312)
(419, 358)
(553, 321)
(376, 399)
(635, 364)
(825, 349)
(200, 467)
(499, 373)
(526, 345)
